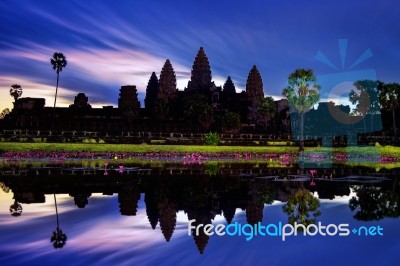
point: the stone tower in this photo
(128, 101)
(229, 87)
(81, 101)
(254, 87)
(167, 85)
(128, 199)
(200, 80)
(151, 93)
(167, 218)
(151, 208)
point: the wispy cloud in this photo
(34, 90)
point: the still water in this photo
(114, 213)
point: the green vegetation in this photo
(267, 109)
(86, 140)
(388, 97)
(145, 148)
(302, 93)
(139, 148)
(360, 150)
(302, 208)
(211, 139)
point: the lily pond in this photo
(199, 209)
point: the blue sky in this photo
(99, 235)
(114, 43)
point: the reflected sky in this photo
(98, 234)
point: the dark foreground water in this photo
(109, 219)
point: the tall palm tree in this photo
(58, 238)
(302, 93)
(16, 91)
(58, 61)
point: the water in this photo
(109, 218)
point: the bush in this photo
(211, 139)
(86, 140)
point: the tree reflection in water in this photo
(16, 209)
(203, 192)
(58, 238)
(375, 203)
(302, 208)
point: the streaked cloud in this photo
(109, 45)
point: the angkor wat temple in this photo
(200, 107)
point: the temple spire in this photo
(151, 93)
(229, 87)
(200, 80)
(167, 218)
(167, 82)
(254, 86)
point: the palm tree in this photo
(16, 91)
(16, 209)
(302, 93)
(58, 61)
(267, 109)
(302, 208)
(389, 94)
(58, 238)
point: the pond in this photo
(138, 211)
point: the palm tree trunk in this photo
(55, 97)
(301, 131)
(394, 125)
(55, 204)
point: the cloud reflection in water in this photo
(98, 234)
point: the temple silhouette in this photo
(200, 107)
(200, 195)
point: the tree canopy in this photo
(302, 91)
(16, 91)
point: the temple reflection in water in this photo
(204, 191)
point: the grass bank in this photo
(145, 148)
(360, 150)
(139, 148)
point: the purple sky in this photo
(114, 43)
(99, 235)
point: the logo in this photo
(348, 105)
(281, 230)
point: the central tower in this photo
(200, 80)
